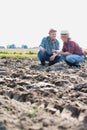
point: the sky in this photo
(28, 21)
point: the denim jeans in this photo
(44, 56)
(74, 58)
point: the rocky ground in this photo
(33, 97)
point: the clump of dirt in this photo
(34, 97)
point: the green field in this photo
(29, 53)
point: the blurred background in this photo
(25, 22)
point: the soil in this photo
(35, 97)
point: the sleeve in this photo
(57, 45)
(43, 42)
(63, 49)
(72, 47)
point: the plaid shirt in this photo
(72, 47)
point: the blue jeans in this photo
(44, 56)
(74, 58)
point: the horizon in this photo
(28, 21)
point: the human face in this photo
(64, 38)
(52, 35)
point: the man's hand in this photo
(57, 52)
(42, 49)
(53, 57)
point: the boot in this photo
(68, 63)
(73, 64)
(43, 63)
(51, 63)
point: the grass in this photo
(29, 54)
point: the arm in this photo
(42, 45)
(61, 52)
(55, 54)
(57, 45)
(65, 53)
(42, 49)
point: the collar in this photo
(50, 39)
(68, 41)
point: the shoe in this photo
(43, 63)
(51, 63)
(77, 65)
(68, 63)
(73, 64)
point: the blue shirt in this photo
(49, 45)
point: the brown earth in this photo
(33, 97)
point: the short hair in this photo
(52, 30)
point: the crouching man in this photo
(47, 46)
(72, 53)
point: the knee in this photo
(81, 59)
(41, 55)
(69, 58)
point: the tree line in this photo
(13, 46)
